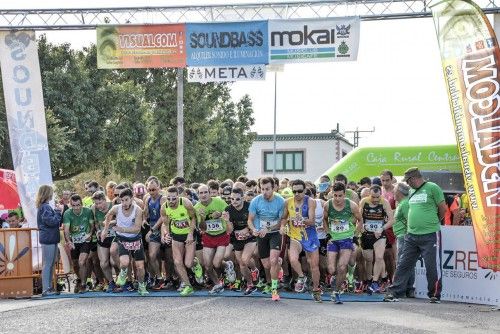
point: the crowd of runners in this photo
(265, 235)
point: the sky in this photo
(395, 87)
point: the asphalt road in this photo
(241, 315)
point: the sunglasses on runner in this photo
(298, 191)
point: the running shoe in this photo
(255, 274)
(188, 289)
(260, 283)
(435, 300)
(316, 294)
(181, 287)
(229, 270)
(99, 287)
(122, 278)
(360, 287)
(159, 284)
(300, 286)
(274, 295)
(198, 271)
(111, 287)
(267, 289)
(410, 293)
(83, 288)
(236, 286)
(78, 284)
(390, 298)
(250, 289)
(374, 287)
(128, 286)
(218, 288)
(336, 297)
(142, 289)
(90, 284)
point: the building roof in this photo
(334, 135)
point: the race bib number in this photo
(268, 223)
(79, 238)
(132, 245)
(242, 234)
(181, 224)
(339, 226)
(214, 226)
(298, 222)
(373, 225)
(319, 224)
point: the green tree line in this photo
(124, 121)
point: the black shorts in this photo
(322, 246)
(238, 245)
(106, 243)
(197, 236)
(144, 230)
(270, 241)
(131, 247)
(80, 248)
(179, 237)
(368, 239)
(93, 246)
(155, 237)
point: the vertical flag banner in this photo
(141, 46)
(22, 88)
(470, 59)
(313, 40)
(224, 44)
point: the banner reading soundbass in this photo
(313, 40)
(227, 44)
(470, 58)
(141, 46)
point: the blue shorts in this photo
(337, 245)
(311, 244)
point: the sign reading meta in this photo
(224, 44)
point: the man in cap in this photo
(427, 208)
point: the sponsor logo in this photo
(226, 39)
(480, 45)
(303, 37)
(490, 42)
(343, 50)
(343, 30)
(468, 48)
(229, 73)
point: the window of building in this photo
(286, 161)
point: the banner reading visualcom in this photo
(470, 58)
(141, 46)
(227, 73)
(22, 88)
(313, 40)
(225, 44)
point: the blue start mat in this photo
(346, 297)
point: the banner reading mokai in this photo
(224, 44)
(313, 40)
(141, 46)
(470, 58)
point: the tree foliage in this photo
(125, 121)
